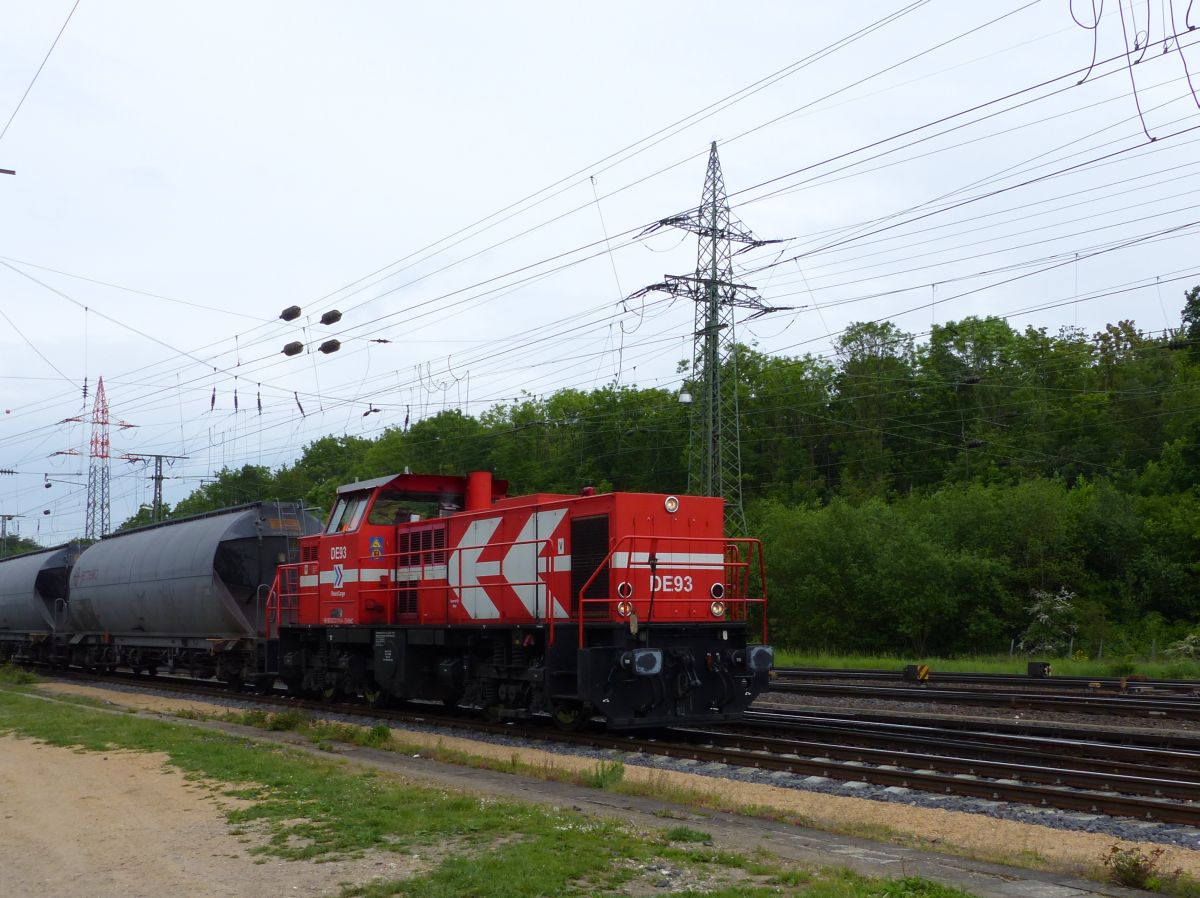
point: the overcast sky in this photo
(469, 181)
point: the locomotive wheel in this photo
(568, 717)
(376, 697)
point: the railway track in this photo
(1056, 682)
(1083, 748)
(1070, 770)
(1174, 707)
(1184, 741)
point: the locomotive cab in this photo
(630, 606)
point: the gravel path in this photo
(125, 825)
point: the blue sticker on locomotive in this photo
(376, 545)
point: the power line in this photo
(33, 81)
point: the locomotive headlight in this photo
(624, 608)
(717, 609)
(717, 590)
(624, 590)
(671, 504)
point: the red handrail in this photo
(284, 596)
(739, 554)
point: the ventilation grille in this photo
(421, 547)
(310, 552)
(589, 548)
(406, 598)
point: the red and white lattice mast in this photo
(98, 522)
(97, 495)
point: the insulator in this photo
(972, 379)
(333, 316)
(291, 313)
(973, 443)
(293, 348)
(330, 346)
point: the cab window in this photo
(356, 513)
(399, 508)
(347, 514)
(335, 519)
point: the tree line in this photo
(983, 488)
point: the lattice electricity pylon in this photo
(97, 493)
(98, 520)
(714, 448)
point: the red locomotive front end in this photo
(628, 605)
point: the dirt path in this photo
(953, 831)
(121, 825)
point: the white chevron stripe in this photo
(669, 560)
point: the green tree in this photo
(249, 483)
(875, 392)
(785, 423)
(447, 443)
(143, 517)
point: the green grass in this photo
(606, 775)
(11, 675)
(1181, 670)
(686, 834)
(298, 807)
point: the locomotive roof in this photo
(365, 484)
(431, 487)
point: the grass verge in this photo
(658, 785)
(305, 808)
(1001, 664)
(11, 675)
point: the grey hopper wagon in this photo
(192, 582)
(33, 591)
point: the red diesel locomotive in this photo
(629, 606)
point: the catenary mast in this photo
(97, 490)
(714, 448)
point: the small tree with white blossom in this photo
(1053, 621)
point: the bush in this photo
(1186, 648)
(1052, 622)
(290, 719)
(606, 775)
(16, 676)
(376, 736)
(1135, 868)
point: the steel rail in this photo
(1095, 756)
(930, 756)
(947, 676)
(1090, 704)
(1161, 739)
